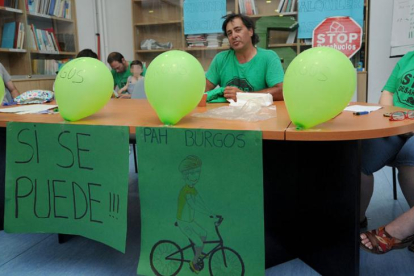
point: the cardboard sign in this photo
(313, 12)
(341, 33)
(203, 16)
(70, 179)
(200, 190)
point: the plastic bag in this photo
(251, 111)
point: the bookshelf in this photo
(56, 16)
(162, 21)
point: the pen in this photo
(361, 113)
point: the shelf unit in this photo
(162, 20)
(18, 62)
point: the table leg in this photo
(312, 204)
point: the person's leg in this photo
(201, 234)
(406, 180)
(367, 188)
(376, 153)
(405, 164)
(400, 228)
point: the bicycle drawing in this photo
(167, 257)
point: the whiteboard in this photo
(402, 34)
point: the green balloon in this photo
(82, 87)
(318, 85)
(1, 90)
(174, 84)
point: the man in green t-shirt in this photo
(120, 69)
(243, 68)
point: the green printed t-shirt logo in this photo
(243, 84)
(405, 90)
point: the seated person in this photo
(87, 53)
(395, 235)
(243, 68)
(136, 70)
(397, 151)
(10, 91)
(121, 69)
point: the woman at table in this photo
(396, 151)
(396, 235)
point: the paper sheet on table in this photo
(361, 108)
(28, 109)
(265, 99)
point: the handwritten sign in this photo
(205, 186)
(203, 16)
(70, 179)
(313, 12)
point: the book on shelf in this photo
(294, 4)
(19, 36)
(9, 3)
(58, 8)
(247, 7)
(291, 37)
(279, 8)
(7, 38)
(47, 66)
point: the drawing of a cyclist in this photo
(190, 202)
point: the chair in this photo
(137, 93)
(394, 182)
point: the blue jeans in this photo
(393, 151)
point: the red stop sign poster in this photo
(341, 33)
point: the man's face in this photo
(239, 36)
(192, 176)
(119, 67)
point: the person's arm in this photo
(230, 92)
(13, 90)
(276, 91)
(198, 205)
(386, 98)
(213, 93)
(209, 86)
(123, 89)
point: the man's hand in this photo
(230, 92)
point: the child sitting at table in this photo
(136, 70)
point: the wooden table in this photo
(311, 177)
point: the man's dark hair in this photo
(115, 56)
(137, 62)
(87, 53)
(247, 21)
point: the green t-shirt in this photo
(264, 70)
(184, 212)
(401, 82)
(121, 79)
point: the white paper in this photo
(361, 108)
(265, 99)
(28, 109)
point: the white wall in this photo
(114, 26)
(86, 21)
(380, 64)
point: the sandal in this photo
(382, 242)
